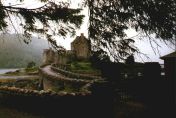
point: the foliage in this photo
(32, 71)
(31, 64)
(130, 60)
(54, 18)
(108, 22)
(109, 19)
(98, 57)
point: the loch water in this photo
(3, 71)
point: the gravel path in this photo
(48, 70)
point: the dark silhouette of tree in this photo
(108, 20)
(130, 60)
(54, 19)
(98, 58)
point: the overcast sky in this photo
(143, 45)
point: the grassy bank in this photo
(31, 83)
(21, 72)
(6, 112)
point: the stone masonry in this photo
(80, 50)
(48, 56)
(81, 47)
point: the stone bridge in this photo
(66, 94)
(93, 90)
(57, 79)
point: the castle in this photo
(80, 50)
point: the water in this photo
(3, 71)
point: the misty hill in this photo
(14, 53)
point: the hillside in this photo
(14, 53)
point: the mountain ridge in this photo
(15, 53)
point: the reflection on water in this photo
(2, 71)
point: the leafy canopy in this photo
(52, 19)
(109, 19)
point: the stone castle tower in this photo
(81, 47)
(80, 50)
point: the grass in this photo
(13, 113)
(82, 67)
(6, 80)
(130, 110)
(28, 83)
(20, 72)
(31, 83)
(33, 69)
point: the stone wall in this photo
(76, 75)
(52, 105)
(58, 82)
(80, 50)
(64, 58)
(50, 56)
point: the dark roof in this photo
(171, 55)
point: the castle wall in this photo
(48, 56)
(62, 59)
(80, 50)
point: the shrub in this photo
(31, 64)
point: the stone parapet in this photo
(28, 92)
(76, 75)
(58, 82)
